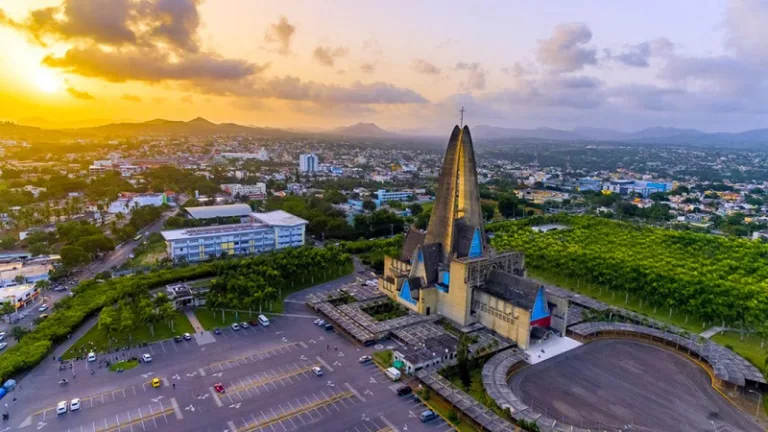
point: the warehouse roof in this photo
(279, 218)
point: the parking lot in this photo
(268, 385)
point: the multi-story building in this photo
(308, 162)
(263, 232)
(384, 196)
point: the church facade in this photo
(450, 269)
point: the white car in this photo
(74, 405)
(317, 371)
(91, 356)
(317, 321)
(235, 326)
(43, 308)
(3, 345)
(146, 358)
(2, 335)
(61, 408)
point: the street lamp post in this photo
(759, 402)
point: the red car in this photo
(219, 387)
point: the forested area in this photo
(296, 267)
(257, 281)
(703, 276)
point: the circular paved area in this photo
(617, 382)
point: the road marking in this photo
(319, 403)
(202, 372)
(327, 366)
(176, 409)
(215, 397)
(232, 427)
(304, 345)
(165, 381)
(388, 423)
(26, 422)
(354, 391)
(118, 426)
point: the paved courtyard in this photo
(613, 384)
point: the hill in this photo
(362, 130)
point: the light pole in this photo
(759, 401)
(713, 425)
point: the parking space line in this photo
(176, 409)
(142, 421)
(232, 427)
(306, 408)
(215, 397)
(327, 366)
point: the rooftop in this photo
(212, 230)
(517, 290)
(279, 218)
(211, 212)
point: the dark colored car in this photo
(328, 327)
(177, 339)
(427, 415)
(217, 331)
(404, 390)
(253, 323)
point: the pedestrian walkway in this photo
(204, 338)
(708, 333)
(193, 320)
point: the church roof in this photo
(433, 254)
(517, 290)
(413, 239)
(463, 240)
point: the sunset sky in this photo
(400, 64)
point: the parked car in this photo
(264, 321)
(317, 371)
(329, 327)
(187, 336)
(427, 415)
(235, 326)
(61, 408)
(244, 324)
(43, 307)
(91, 356)
(155, 382)
(253, 323)
(177, 338)
(3, 345)
(317, 321)
(74, 405)
(217, 331)
(2, 335)
(364, 359)
(404, 390)
(146, 358)
(321, 323)
(219, 387)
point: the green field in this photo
(96, 340)
(617, 299)
(749, 348)
(210, 319)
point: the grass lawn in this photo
(212, 319)
(749, 348)
(124, 365)
(443, 407)
(96, 340)
(693, 325)
(149, 253)
(383, 358)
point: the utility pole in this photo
(461, 122)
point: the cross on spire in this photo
(462, 117)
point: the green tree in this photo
(18, 333)
(462, 358)
(416, 209)
(7, 308)
(508, 206)
(73, 256)
(369, 205)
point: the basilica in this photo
(451, 270)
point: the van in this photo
(392, 373)
(263, 321)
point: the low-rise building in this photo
(254, 191)
(184, 295)
(19, 295)
(384, 195)
(127, 201)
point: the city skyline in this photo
(298, 64)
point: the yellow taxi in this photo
(155, 382)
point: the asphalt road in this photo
(112, 260)
(266, 373)
(614, 383)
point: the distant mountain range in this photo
(756, 138)
(751, 139)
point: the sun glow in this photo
(47, 82)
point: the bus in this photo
(138, 237)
